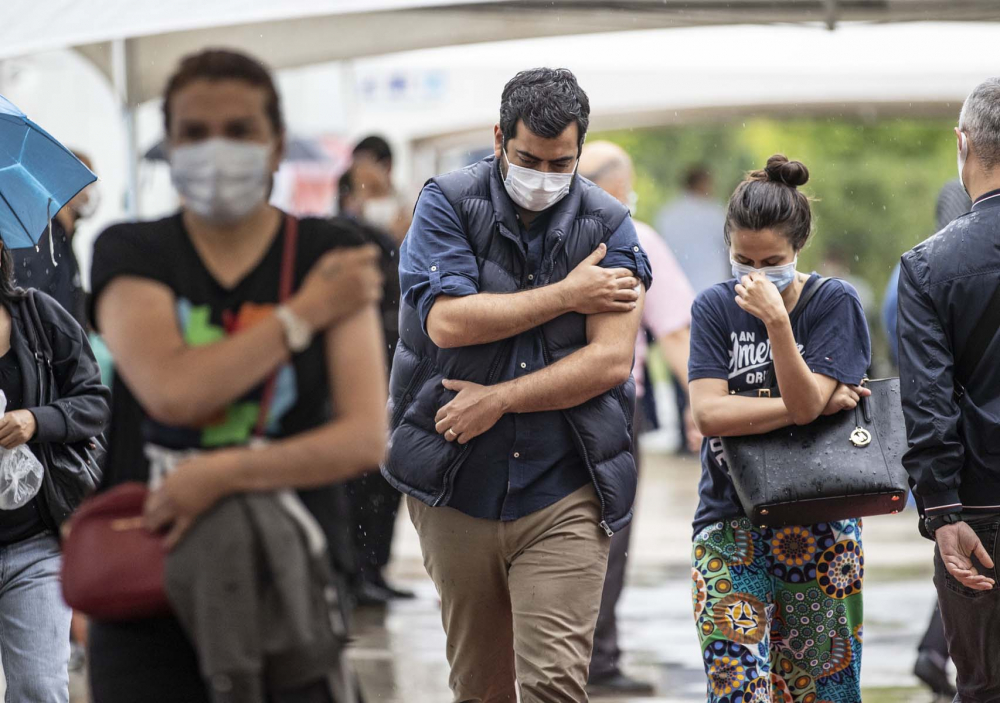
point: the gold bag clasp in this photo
(861, 437)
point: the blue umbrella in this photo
(38, 175)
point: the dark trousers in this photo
(934, 639)
(972, 621)
(153, 661)
(374, 505)
(604, 659)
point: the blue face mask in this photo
(780, 276)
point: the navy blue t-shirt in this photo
(731, 344)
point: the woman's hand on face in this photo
(845, 397)
(759, 297)
(16, 428)
(192, 489)
(340, 283)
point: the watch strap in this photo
(933, 523)
(298, 333)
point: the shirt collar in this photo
(991, 199)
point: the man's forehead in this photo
(555, 147)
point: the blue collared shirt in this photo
(531, 460)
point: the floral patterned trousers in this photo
(779, 611)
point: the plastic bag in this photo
(20, 472)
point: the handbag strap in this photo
(41, 349)
(285, 286)
(771, 380)
(975, 349)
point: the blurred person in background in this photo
(750, 585)
(949, 313)
(51, 266)
(692, 227)
(190, 307)
(952, 203)
(667, 314)
(373, 198)
(512, 398)
(374, 502)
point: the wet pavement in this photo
(399, 652)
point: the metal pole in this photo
(832, 14)
(120, 70)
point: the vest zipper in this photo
(453, 467)
(545, 277)
(582, 448)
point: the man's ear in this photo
(497, 141)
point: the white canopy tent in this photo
(294, 33)
(136, 43)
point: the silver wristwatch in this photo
(298, 333)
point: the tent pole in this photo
(120, 69)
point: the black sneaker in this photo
(395, 593)
(931, 670)
(370, 595)
(618, 684)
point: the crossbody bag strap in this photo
(771, 381)
(41, 350)
(285, 288)
(975, 349)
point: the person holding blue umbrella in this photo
(38, 176)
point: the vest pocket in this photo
(420, 375)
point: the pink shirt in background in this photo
(668, 301)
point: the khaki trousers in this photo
(519, 599)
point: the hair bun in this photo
(792, 173)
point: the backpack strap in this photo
(975, 349)
(771, 381)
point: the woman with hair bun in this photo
(779, 611)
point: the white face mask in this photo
(780, 276)
(221, 180)
(534, 190)
(963, 154)
(381, 212)
(88, 206)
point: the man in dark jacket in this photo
(511, 396)
(951, 399)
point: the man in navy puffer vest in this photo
(511, 396)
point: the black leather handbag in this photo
(841, 466)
